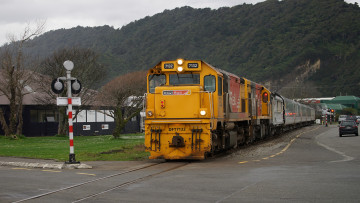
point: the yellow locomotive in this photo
(194, 109)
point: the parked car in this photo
(348, 127)
(342, 118)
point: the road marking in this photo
(53, 171)
(28, 169)
(89, 174)
(283, 150)
(346, 157)
(232, 194)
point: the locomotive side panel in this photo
(235, 107)
(234, 94)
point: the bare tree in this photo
(16, 74)
(125, 95)
(87, 70)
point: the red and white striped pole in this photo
(69, 66)
(71, 132)
(326, 125)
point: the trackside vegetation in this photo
(87, 148)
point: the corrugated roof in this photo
(346, 98)
(336, 107)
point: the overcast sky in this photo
(15, 15)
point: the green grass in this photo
(87, 148)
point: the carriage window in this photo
(220, 86)
(156, 80)
(209, 83)
(184, 79)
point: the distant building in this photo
(345, 102)
(337, 103)
(314, 100)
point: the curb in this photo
(46, 165)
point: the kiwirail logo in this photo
(176, 92)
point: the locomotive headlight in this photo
(203, 112)
(150, 113)
(180, 69)
(180, 62)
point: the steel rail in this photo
(129, 183)
(87, 182)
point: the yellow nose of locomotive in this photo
(179, 131)
(177, 102)
(178, 111)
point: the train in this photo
(194, 110)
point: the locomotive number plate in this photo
(177, 128)
(168, 66)
(193, 65)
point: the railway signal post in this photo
(73, 86)
(326, 125)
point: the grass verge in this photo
(87, 148)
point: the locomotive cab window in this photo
(156, 80)
(184, 79)
(209, 83)
(219, 86)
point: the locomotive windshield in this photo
(184, 79)
(156, 80)
(209, 83)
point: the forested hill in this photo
(282, 44)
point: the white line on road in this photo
(237, 191)
(346, 157)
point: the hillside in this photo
(283, 44)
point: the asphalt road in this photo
(312, 164)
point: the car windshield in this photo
(348, 123)
(350, 117)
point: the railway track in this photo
(91, 189)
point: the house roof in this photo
(30, 91)
(35, 95)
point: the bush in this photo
(58, 135)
